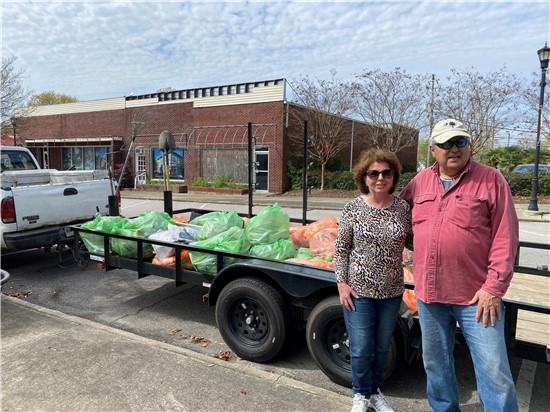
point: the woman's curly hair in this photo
(371, 156)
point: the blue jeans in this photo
(370, 328)
(495, 385)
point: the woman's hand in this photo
(346, 293)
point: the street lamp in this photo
(544, 57)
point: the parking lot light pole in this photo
(544, 57)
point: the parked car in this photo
(530, 168)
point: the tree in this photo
(326, 103)
(396, 102)
(14, 94)
(483, 102)
(422, 153)
(49, 98)
(531, 104)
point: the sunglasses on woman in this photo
(460, 143)
(386, 174)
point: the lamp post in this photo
(544, 57)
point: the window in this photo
(84, 158)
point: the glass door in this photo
(261, 177)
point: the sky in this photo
(99, 49)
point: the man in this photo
(465, 240)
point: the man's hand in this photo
(488, 306)
(346, 293)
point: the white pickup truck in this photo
(39, 205)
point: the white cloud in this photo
(108, 49)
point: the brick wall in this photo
(196, 127)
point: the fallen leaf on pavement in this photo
(22, 294)
(173, 331)
(223, 355)
(197, 339)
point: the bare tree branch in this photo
(395, 102)
(324, 105)
(484, 102)
(14, 94)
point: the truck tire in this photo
(253, 319)
(328, 342)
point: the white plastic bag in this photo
(171, 234)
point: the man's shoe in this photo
(360, 403)
(379, 403)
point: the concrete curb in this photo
(240, 367)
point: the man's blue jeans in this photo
(370, 328)
(495, 385)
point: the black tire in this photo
(328, 343)
(253, 319)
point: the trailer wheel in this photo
(328, 342)
(253, 319)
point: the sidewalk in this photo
(53, 361)
(323, 203)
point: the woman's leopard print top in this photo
(369, 247)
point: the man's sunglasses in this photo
(460, 143)
(386, 174)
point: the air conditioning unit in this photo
(139, 150)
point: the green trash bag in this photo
(268, 226)
(142, 226)
(213, 223)
(110, 224)
(304, 253)
(232, 240)
(280, 250)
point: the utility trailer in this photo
(260, 302)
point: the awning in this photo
(85, 141)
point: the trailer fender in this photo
(296, 281)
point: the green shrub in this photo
(223, 181)
(404, 180)
(201, 181)
(339, 180)
(521, 183)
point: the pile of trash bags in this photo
(266, 235)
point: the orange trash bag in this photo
(408, 296)
(320, 263)
(323, 242)
(180, 219)
(301, 235)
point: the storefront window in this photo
(84, 158)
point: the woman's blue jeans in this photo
(487, 346)
(370, 329)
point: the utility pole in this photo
(431, 120)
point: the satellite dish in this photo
(166, 141)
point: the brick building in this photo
(209, 125)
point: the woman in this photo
(368, 261)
